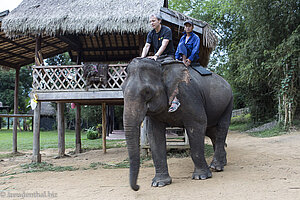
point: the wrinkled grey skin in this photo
(206, 105)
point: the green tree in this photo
(7, 87)
(258, 51)
(268, 24)
(61, 59)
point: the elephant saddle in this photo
(195, 66)
(201, 70)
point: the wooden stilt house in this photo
(98, 31)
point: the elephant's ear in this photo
(174, 72)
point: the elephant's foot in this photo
(201, 174)
(161, 180)
(217, 165)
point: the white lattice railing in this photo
(70, 78)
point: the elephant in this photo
(205, 110)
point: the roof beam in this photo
(13, 54)
(110, 44)
(8, 64)
(92, 43)
(22, 46)
(169, 16)
(111, 48)
(32, 50)
(74, 44)
(31, 60)
(14, 43)
(104, 47)
(116, 41)
(51, 44)
(98, 58)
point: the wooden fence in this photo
(70, 78)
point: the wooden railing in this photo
(70, 78)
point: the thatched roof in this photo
(3, 14)
(80, 17)
(92, 30)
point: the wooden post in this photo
(166, 3)
(36, 157)
(32, 123)
(15, 125)
(78, 129)
(186, 138)
(78, 116)
(104, 127)
(79, 57)
(61, 129)
(141, 43)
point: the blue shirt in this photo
(192, 46)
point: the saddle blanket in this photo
(201, 70)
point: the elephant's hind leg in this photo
(211, 133)
(219, 159)
(196, 139)
(157, 140)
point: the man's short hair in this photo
(158, 16)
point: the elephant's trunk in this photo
(134, 114)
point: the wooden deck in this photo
(66, 84)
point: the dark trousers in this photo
(164, 58)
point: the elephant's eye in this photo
(147, 93)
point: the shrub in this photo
(241, 119)
(92, 134)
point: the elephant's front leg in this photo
(196, 138)
(157, 140)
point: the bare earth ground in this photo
(258, 168)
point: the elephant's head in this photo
(148, 88)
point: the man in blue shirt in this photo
(187, 51)
(189, 44)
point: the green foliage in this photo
(118, 117)
(258, 40)
(91, 115)
(182, 153)
(7, 87)
(38, 167)
(241, 119)
(10, 155)
(124, 164)
(240, 123)
(251, 62)
(92, 133)
(44, 166)
(61, 59)
(49, 140)
(276, 131)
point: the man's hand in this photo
(153, 57)
(188, 62)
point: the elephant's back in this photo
(214, 90)
(213, 83)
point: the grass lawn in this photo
(49, 139)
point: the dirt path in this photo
(258, 168)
